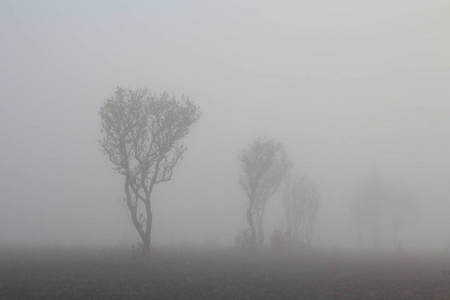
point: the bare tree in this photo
(401, 210)
(264, 166)
(367, 207)
(300, 203)
(378, 204)
(141, 136)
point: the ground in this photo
(219, 274)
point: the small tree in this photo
(264, 166)
(401, 206)
(377, 204)
(367, 207)
(300, 203)
(142, 135)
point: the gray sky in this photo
(348, 86)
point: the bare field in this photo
(219, 274)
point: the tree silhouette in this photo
(300, 203)
(142, 135)
(264, 166)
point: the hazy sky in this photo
(349, 87)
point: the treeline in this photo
(142, 136)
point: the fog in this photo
(349, 88)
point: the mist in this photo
(348, 87)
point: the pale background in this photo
(349, 87)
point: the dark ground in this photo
(170, 274)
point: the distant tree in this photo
(142, 135)
(401, 210)
(378, 203)
(300, 203)
(367, 207)
(264, 166)
(243, 240)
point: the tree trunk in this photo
(260, 227)
(133, 210)
(146, 242)
(260, 231)
(251, 224)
